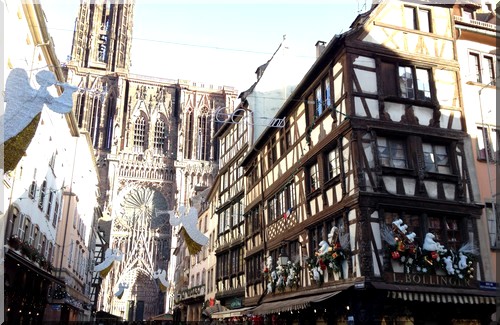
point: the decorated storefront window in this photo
(330, 256)
(430, 257)
(284, 275)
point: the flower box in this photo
(14, 242)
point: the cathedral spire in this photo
(103, 35)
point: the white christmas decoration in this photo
(110, 256)
(193, 236)
(121, 289)
(161, 276)
(23, 102)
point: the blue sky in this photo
(215, 42)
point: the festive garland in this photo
(429, 258)
(329, 258)
(282, 276)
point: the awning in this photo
(441, 298)
(290, 304)
(429, 294)
(213, 309)
(232, 313)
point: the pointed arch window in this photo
(80, 109)
(188, 145)
(110, 115)
(160, 136)
(95, 120)
(204, 133)
(139, 134)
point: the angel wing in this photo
(18, 92)
(64, 103)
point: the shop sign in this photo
(431, 279)
(487, 285)
(56, 307)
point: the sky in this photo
(216, 42)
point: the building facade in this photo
(154, 148)
(476, 36)
(35, 185)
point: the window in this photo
(43, 190)
(436, 158)
(204, 135)
(188, 145)
(293, 251)
(236, 264)
(414, 83)
(333, 163)
(406, 81)
(319, 102)
(482, 68)
(314, 177)
(322, 97)
(448, 231)
(417, 19)
(25, 228)
(32, 190)
(160, 135)
(55, 215)
(487, 144)
(392, 153)
(139, 134)
(253, 221)
(49, 205)
(254, 267)
(320, 231)
(493, 224)
(281, 203)
(272, 154)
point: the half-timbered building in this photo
(364, 207)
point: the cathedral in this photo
(154, 146)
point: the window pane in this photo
(488, 70)
(482, 137)
(314, 178)
(406, 82)
(474, 68)
(392, 153)
(383, 151)
(319, 102)
(409, 13)
(442, 160)
(333, 164)
(424, 89)
(429, 160)
(424, 20)
(327, 93)
(398, 154)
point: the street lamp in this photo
(282, 258)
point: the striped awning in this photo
(441, 298)
(232, 313)
(290, 304)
